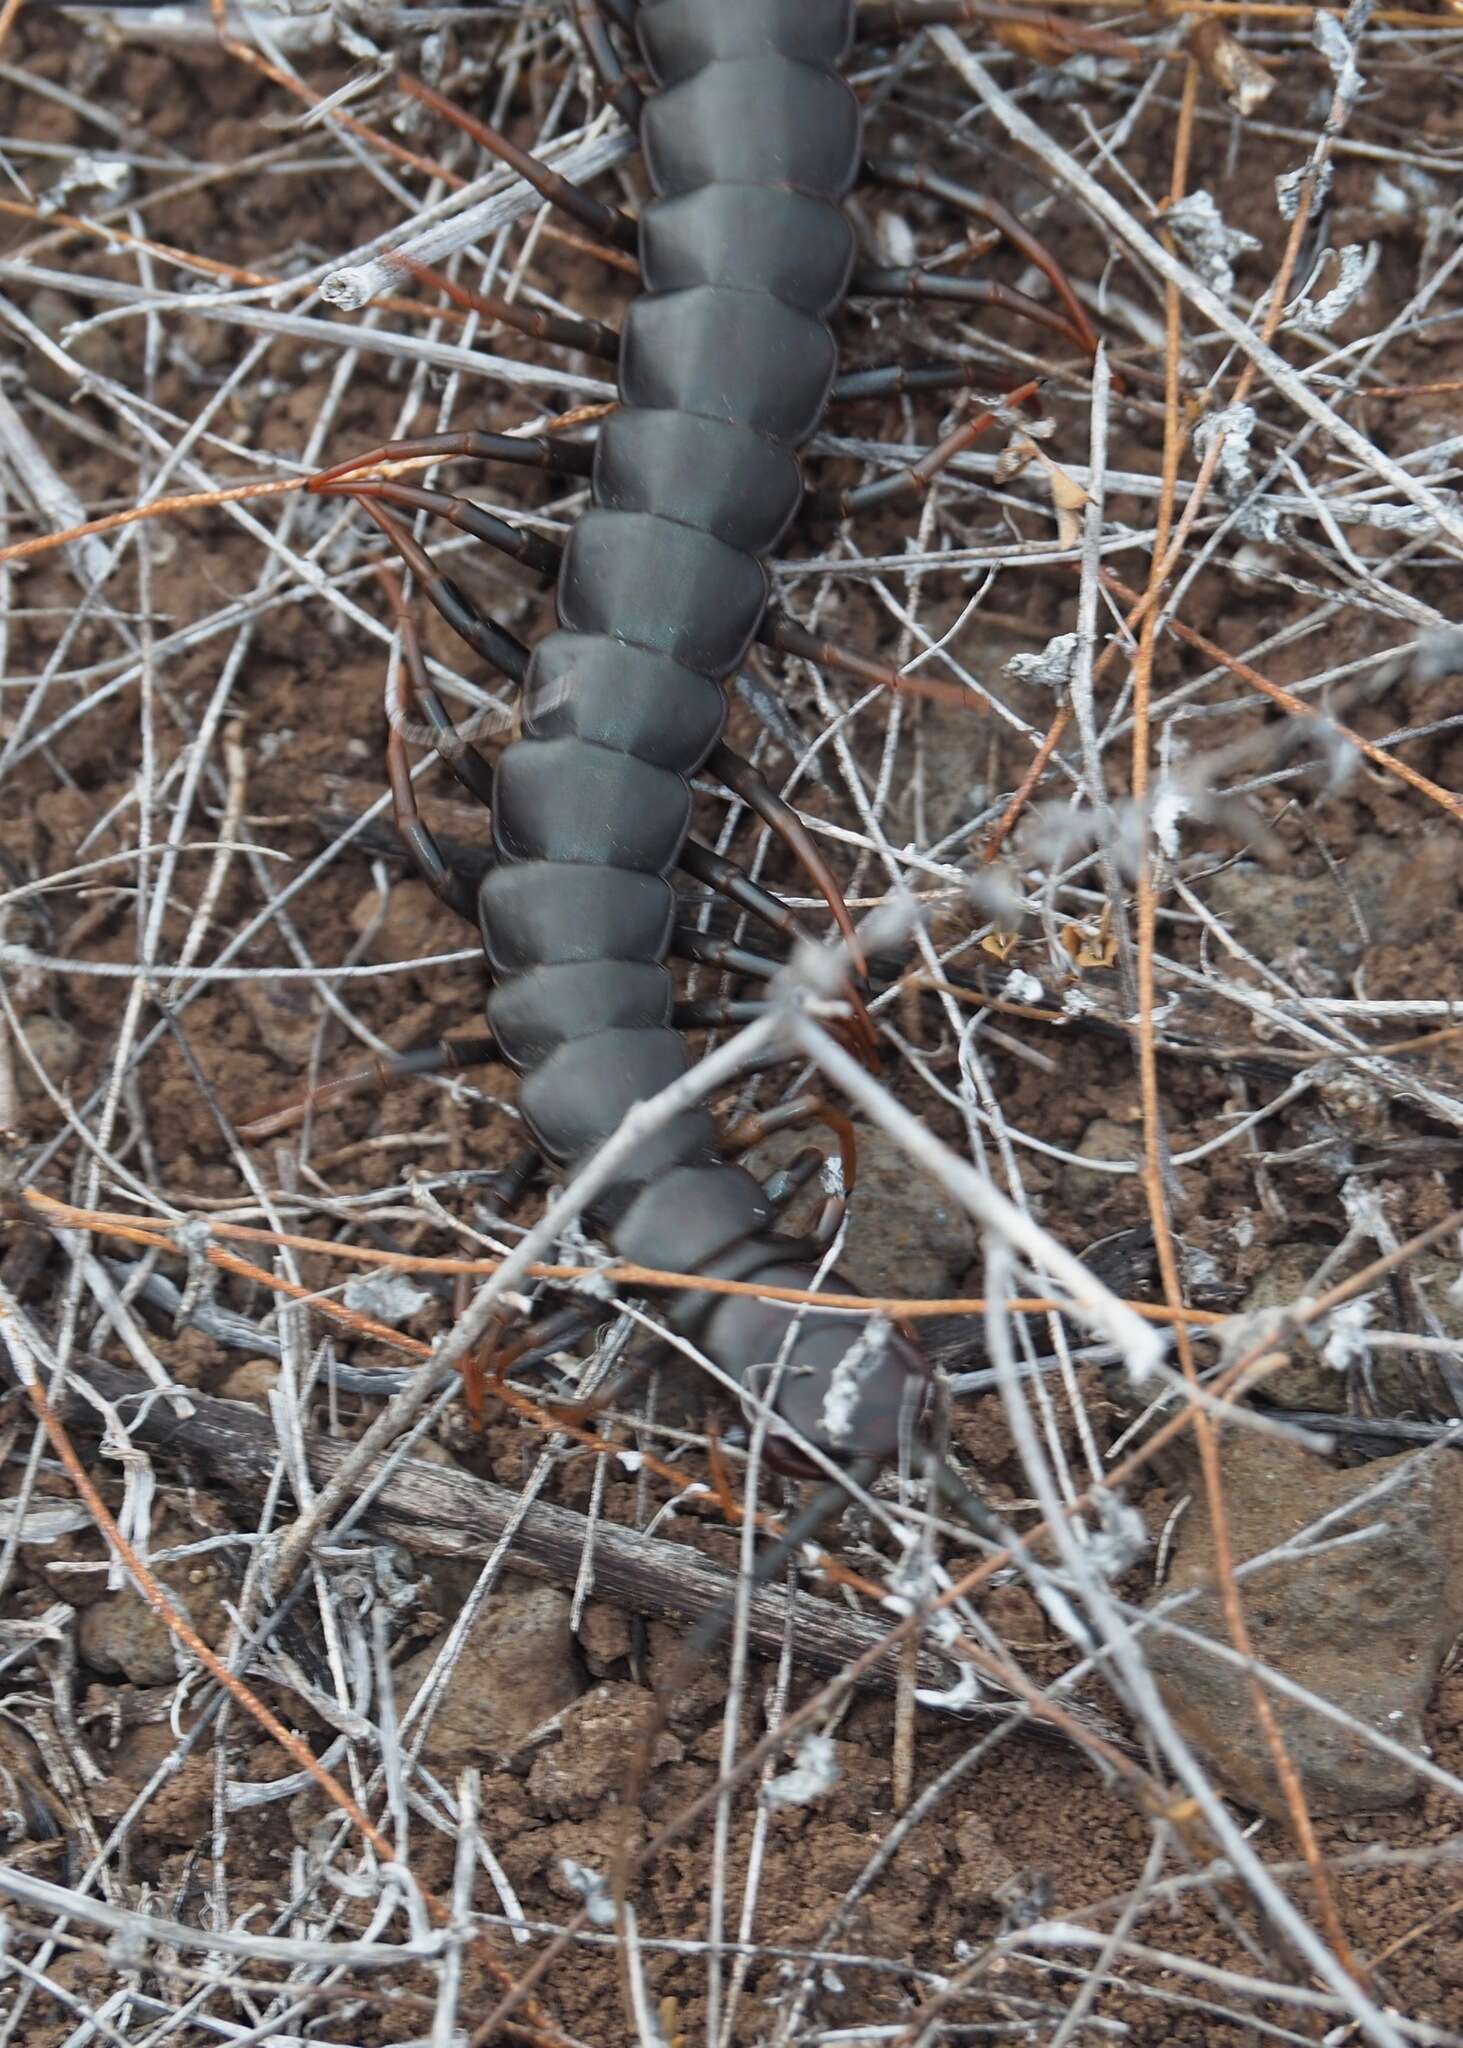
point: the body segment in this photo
(726, 363)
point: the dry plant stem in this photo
(1294, 388)
(1446, 799)
(1155, 1175)
(245, 55)
(452, 1514)
(539, 2028)
(151, 1232)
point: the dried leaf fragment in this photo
(1240, 76)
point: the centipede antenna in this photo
(606, 221)
(563, 330)
(483, 635)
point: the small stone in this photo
(591, 1757)
(984, 1864)
(906, 1236)
(1302, 928)
(604, 1636)
(1365, 1628)
(254, 1380)
(411, 927)
(57, 1049)
(516, 1668)
(121, 1633)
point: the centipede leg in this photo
(483, 635)
(413, 687)
(530, 451)
(623, 95)
(914, 481)
(803, 1109)
(562, 329)
(706, 1013)
(805, 1527)
(380, 1072)
(727, 879)
(899, 380)
(445, 882)
(965, 199)
(708, 949)
(751, 786)
(912, 283)
(606, 221)
(788, 637)
(964, 1502)
(520, 544)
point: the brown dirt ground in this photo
(1034, 1821)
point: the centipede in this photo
(752, 141)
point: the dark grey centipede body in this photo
(751, 141)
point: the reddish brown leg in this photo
(755, 791)
(914, 481)
(447, 1056)
(533, 451)
(606, 221)
(914, 178)
(565, 332)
